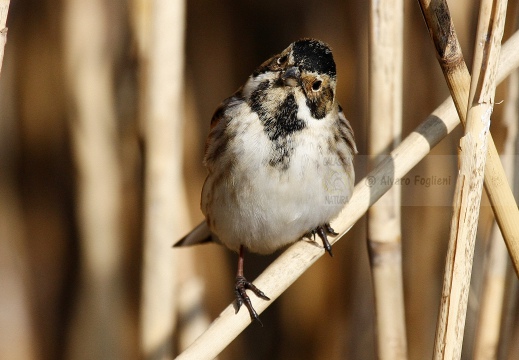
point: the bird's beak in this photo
(291, 76)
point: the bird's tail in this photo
(199, 235)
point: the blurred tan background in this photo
(53, 304)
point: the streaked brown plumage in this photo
(280, 159)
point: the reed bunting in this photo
(280, 160)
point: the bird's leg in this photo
(322, 230)
(241, 285)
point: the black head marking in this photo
(314, 56)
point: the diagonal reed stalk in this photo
(448, 52)
(385, 129)
(292, 263)
(469, 185)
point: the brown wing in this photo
(346, 131)
(219, 113)
(218, 137)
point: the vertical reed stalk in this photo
(467, 198)
(16, 326)
(4, 9)
(448, 52)
(385, 123)
(493, 294)
(492, 334)
(18, 340)
(165, 202)
(100, 313)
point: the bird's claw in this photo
(330, 230)
(240, 288)
(322, 231)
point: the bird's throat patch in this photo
(280, 122)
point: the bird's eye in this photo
(282, 60)
(317, 85)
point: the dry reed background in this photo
(76, 126)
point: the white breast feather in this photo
(265, 208)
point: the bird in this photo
(279, 156)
